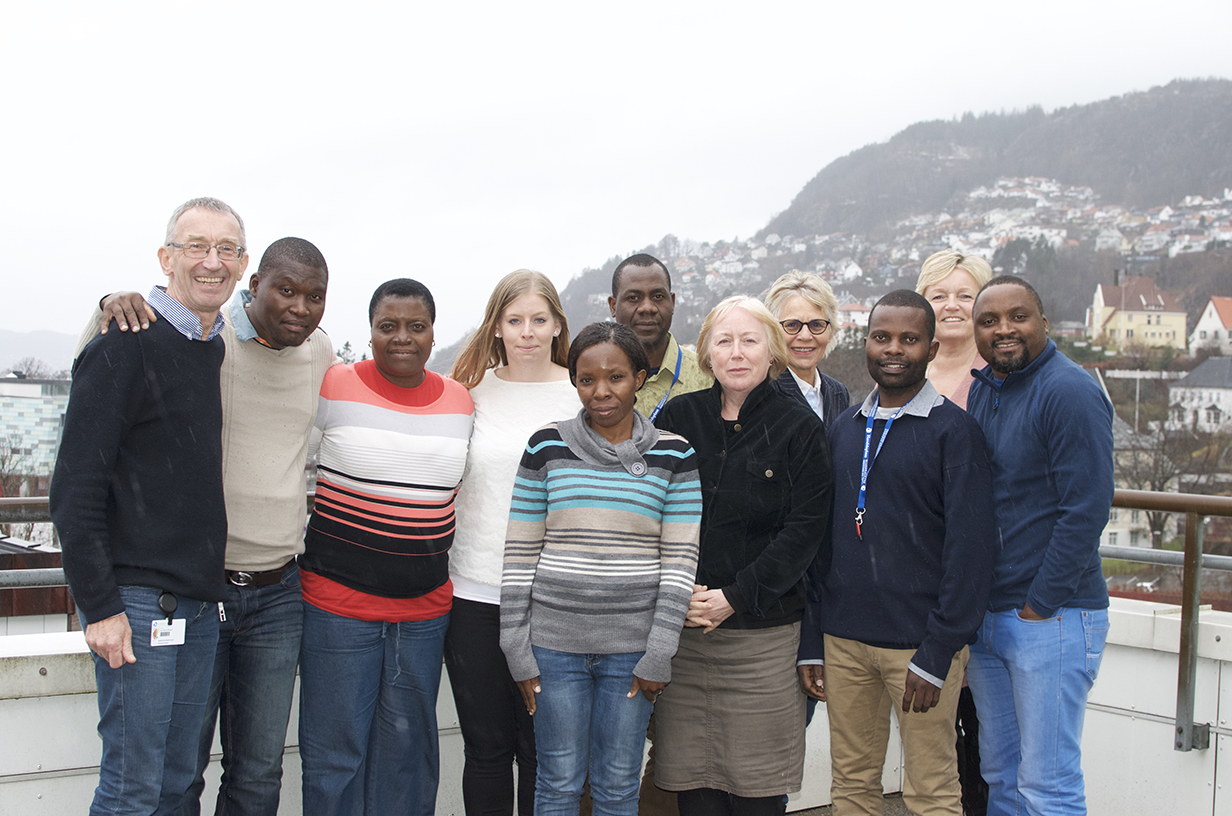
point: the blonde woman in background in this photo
(950, 281)
(515, 367)
(807, 311)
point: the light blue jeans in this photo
(1030, 681)
(367, 714)
(586, 722)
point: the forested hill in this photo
(1140, 149)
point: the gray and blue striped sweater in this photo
(601, 548)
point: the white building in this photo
(1214, 327)
(1202, 400)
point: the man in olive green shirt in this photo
(642, 299)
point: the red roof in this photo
(1223, 307)
(1139, 295)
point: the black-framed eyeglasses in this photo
(197, 251)
(815, 327)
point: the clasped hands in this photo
(707, 608)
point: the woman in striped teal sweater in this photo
(600, 557)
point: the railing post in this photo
(1190, 735)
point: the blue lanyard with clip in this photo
(867, 464)
(668, 393)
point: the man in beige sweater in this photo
(271, 377)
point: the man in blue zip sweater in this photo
(900, 585)
(1049, 431)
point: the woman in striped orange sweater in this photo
(391, 451)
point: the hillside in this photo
(1137, 150)
(1139, 182)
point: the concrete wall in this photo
(49, 762)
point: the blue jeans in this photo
(585, 722)
(254, 682)
(1030, 681)
(367, 714)
(150, 712)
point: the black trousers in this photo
(497, 732)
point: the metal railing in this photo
(1195, 508)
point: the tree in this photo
(1153, 461)
(32, 368)
(16, 472)
(346, 354)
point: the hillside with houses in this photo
(1071, 244)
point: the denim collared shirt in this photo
(237, 313)
(184, 321)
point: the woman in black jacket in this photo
(730, 727)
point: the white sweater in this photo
(506, 414)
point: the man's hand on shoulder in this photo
(112, 640)
(129, 310)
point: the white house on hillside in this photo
(1214, 327)
(1202, 400)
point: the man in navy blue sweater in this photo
(900, 585)
(138, 502)
(1049, 430)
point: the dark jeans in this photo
(150, 712)
(974, 788)
(253, 685)
(496, 729)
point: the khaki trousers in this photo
(863, 683)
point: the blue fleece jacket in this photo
(1049, 432)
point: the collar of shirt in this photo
(812, 393)
(668, 366)
(184, 321)
(238, 313)
(920, 405)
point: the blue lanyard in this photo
(675, 377)
(867, 464)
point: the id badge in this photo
(167, 634)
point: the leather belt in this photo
(244, 578)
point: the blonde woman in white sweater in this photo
(515, 367)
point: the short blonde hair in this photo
(485, 351)
(774, 332)
(810, 287)
(940, 264)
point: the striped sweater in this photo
(601, 548)
(390, 460)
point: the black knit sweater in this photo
(137, 491)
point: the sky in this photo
(456, 142)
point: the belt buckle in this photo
(241, 578)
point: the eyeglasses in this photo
(815, 327)
(197, 251)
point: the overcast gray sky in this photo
(455, 142)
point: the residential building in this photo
(1202, 400)
(1214, 328)
(1136, 312)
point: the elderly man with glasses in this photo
(137, 498)
(276, 359)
